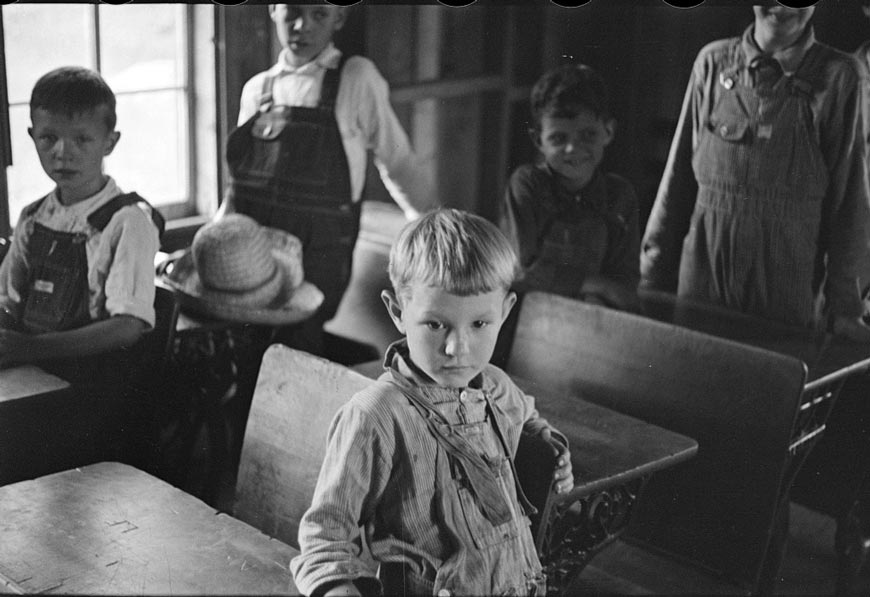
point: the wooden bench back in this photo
(296, 397)
(740, 403)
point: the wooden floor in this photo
(810, 566)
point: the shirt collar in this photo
(400, 367)
(789, 58)
(328, 58)
(84, 207)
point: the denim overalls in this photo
(489, 555)
(57, 292)
(753, 241)
(289, 170)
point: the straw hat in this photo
(240, 271)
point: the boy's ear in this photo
(394, 309)
(535, 137)
(111, 142)
(609, 130)
(510, 300)
(340, 17)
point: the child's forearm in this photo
(102, 336)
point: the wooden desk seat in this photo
(717, 512)
(296, 396)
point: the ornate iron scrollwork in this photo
(576, 529)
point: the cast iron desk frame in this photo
(215, 363)
(829, 362)
(613, 456)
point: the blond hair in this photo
(457, 251)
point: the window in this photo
(158, 59)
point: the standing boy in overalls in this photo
(77, 285)
(763, 206)
(298, 159)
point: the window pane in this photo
(141, 46)
(151, 156)
(39, 38)
(26, 179)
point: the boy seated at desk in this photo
(422, 459)
(77, 284)
(574, 227)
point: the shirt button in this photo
(443, 593)
(723, 130)
(463, 395)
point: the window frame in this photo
(198, 88)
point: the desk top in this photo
(27, 380)
(824, 354)
(608, 448)
(109, 528)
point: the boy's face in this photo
(71, 150)
(779, 25)
(305, 30)
(574, 147)
(450, 337)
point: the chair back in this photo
(740, 403)
(296, 396)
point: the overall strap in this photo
(735, 63)
(266, 99)
(809, 75)
(479, 472)
(31, 209)
(101, 217)
(331, 81)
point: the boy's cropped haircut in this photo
(563, 91)
(457, 251)
(73, 90)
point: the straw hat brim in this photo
(284, 299)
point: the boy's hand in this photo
(562, 476)
(345, 588)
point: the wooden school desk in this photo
(109, 528)
(830, 361)
(36, 423)
(613, 456)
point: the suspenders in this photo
(328, 89)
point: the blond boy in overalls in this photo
(422, 460)
(298, 157)
(763, 205)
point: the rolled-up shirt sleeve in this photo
(407, 175)
(13, 272)
(128, 246)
